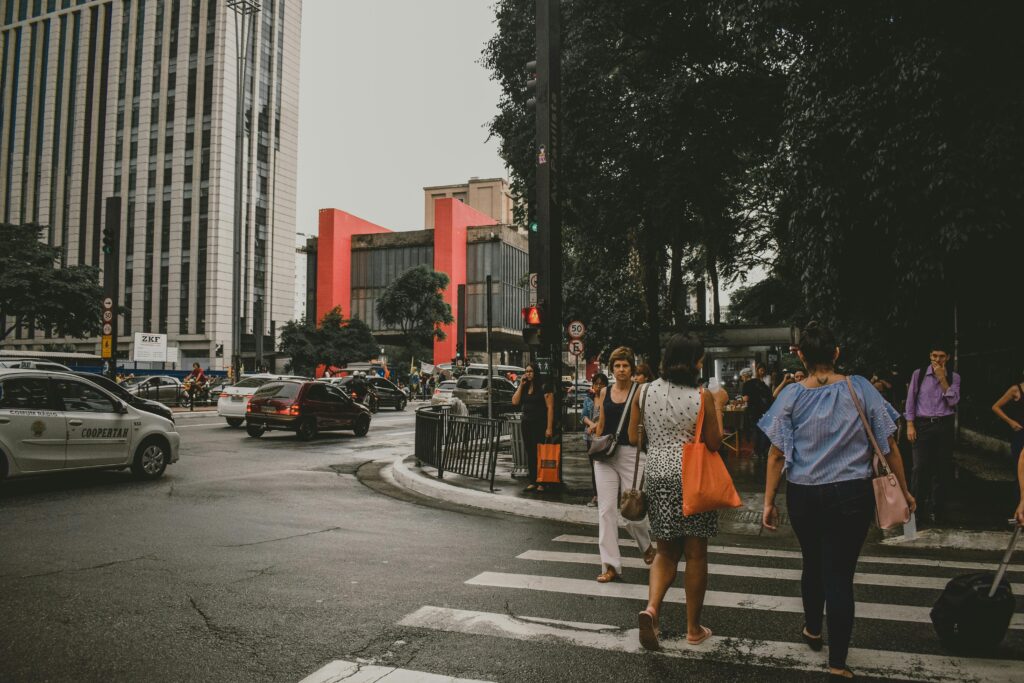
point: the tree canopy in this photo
(868, 156)
(413, 304)
(335, 341)
(36, 290)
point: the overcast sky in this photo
(392, 99)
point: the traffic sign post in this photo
(577, 329)
(575, 347)
(111, 282)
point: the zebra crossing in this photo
(894, 597)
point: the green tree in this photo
(413, 304)
(34, 289)
(335, 341)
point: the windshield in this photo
(471, 382)
(252, 382)
(278, 390)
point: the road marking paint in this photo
(355, 672)
(769, 603)
(892, 580)
(767, 653)
(793, 554)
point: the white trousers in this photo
(612, 477)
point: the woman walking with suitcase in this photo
(820, 443)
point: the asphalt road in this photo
(266, 559)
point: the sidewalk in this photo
(980, 506)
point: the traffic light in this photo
(532, 80)
(533, 317)
(109, 240)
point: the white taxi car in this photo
(52, 421)
(234, 399)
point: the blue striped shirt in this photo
(820, 434)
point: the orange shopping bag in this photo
(549, 463)
(706, 482)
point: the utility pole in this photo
(245, 17)
(549, 218)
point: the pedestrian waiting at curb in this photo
(821, 446)
(1010, 409)
(932, 397)
(538, 423)
(591, 411)
(615, 474)
(670, 409)
(758, 397)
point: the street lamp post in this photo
(245, 13)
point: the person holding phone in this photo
(538, 423)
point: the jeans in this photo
(933, 464)
(831, 522)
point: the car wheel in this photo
(362, 425)
(255, 431)
(307, 430)
(150, 459)
(235, 421)
(400, 405)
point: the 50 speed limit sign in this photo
(576, 329)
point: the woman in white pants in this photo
(616, 473)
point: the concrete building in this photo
(136, 98)
(489, 196)
(355, 260)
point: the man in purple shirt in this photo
(932, 396)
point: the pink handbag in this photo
(891, 506)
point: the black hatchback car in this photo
(134, 400)
(388, 395)
(306, 408)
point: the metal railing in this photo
(457, 443)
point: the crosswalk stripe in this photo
(769, 603)
(355, 672)
(774, 654)
(793, 554)
(889, 580)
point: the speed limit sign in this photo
(576, 329)
(576, 347)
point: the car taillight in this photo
(293, 409)
(248, 407)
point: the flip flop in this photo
(648, 631)
(698, 641)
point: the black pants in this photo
(831, 522)
(933, 464)
(533, 434)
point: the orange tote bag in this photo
(706, 482)
(549, 461)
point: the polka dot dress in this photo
(670, 419)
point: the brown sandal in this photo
(608, 576)
(648, 631)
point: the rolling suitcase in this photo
(974, 611)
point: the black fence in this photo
(456, 443)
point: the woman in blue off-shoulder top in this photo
(820, 444)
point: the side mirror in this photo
(122, 407)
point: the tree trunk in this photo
(716, 308)
(676, 290)
(651, 277)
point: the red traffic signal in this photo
(531, 316)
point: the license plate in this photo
(268, 409)
(236, 398)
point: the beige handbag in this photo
(633, 504)
(891, 506)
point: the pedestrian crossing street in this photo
(752, 604)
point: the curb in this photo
(405, 476)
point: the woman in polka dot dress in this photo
(670, 409)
